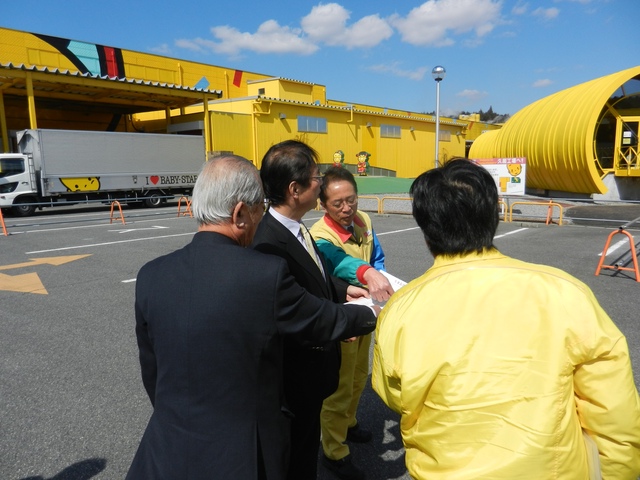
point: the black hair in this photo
(456, 207)
(336, 174)
(286, 162)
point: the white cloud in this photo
(545, 82)
(269, 38)
(520, 8)
(328, 24)
(195, 45)
(325, 24)
(472, 95)
(395, 70)
(432, 22)
(450, 112)
(162, 49)
(546, 13)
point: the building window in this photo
(312, 124)
(389, 131)
(445, 136)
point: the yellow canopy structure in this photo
(573, 138)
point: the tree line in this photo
(489, 116)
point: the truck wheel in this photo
(154, 200)
(20, 210)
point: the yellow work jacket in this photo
(348, 255)
(497, 366)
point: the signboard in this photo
(508, 173)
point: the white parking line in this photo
(129, 230)
(614, 247)
(78, 227)
(510, 233)
(415, 228)
(396, 231)
(108, 243)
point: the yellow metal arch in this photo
(556, 135)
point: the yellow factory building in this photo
(52, 82)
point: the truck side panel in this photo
(54, 184)
(83, 161)
(84, 153)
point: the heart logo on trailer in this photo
(154, 179)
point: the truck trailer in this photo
(59, 167)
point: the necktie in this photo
(351, 229)
(309, 243)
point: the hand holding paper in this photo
(395, 284)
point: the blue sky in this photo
(500, 53)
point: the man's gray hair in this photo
(222, 183)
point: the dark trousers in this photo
(305, 442)
(309, 378)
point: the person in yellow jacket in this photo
(501, 369)
(353, 253)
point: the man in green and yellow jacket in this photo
(346, 238)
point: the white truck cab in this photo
(18, 186)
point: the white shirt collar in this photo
(292, 225)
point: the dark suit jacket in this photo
(303, 369)
(310, 374)
(210, 319)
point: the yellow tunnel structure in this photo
(575, 138)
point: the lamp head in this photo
(438, 73)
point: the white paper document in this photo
(396, 284)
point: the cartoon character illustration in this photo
(515, 169)
(338, 158)
(363, 163)
(81, 184)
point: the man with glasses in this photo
(346, 238)
(292, 181)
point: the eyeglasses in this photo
(350, 201)
(319, 178)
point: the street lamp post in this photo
(438, 74)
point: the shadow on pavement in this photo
(83, 470)
(383, 457)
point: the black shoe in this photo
(359, 435)
(343, 468)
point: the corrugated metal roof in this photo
(285, 79)
(126, 95)
(556, 135)
(132, 81)
(409, 115)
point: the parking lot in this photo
(72, 403)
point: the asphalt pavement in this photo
(71, 401)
